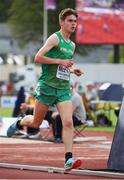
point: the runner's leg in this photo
(65, 111)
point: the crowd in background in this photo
(6, 89)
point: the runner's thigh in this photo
(65, 110)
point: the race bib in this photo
(63, 73)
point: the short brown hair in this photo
(67, 12)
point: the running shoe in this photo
(72, 164)
(12, 129)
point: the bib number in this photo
(63, 73)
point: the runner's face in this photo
(69, 24)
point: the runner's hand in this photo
(66, 63)
(78, 72)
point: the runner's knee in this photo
(68, 124)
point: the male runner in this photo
(53, 88)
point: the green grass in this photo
(101, 129)
(6, 112)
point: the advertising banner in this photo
(100, 22)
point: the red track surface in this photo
(93, 153)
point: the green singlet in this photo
(54, 75)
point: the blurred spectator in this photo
(91, 92)
(10, 89)
(27, 106)
(6, 88)
(3, 89)
(19, 101)
(88, 94)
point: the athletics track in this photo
(92, 148)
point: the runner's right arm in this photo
(40, 57)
